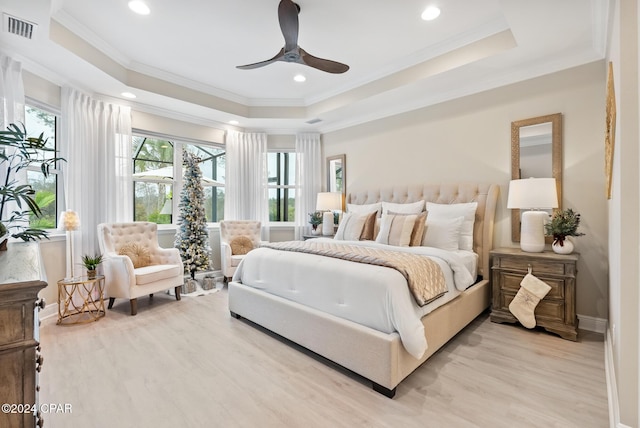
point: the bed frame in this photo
(380, 357)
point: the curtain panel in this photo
(308, 179)
(96, 142)
(246, 193)
(12, 105)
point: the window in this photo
(39, 121)
(213, 172)
(153, 172)
(152, 179)
(282, 180)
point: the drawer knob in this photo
(41, 303)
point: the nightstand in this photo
(557, 311)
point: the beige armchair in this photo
(134, 264)
(237, 237)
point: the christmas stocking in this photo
(531, 291)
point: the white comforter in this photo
(374, 296)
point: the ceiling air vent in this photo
(313, 121)
(19, 27)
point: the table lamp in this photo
(69, 221)
(328, 202)
(533, 194)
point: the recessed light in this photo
(128, 95)
(139, 7)
(430, 13)
(233, 122)
(299, 78)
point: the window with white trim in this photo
(40, 121)
(281, 185)
(156, 160)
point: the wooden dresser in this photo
(21, 278)
(557, 311)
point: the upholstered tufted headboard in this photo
(485, 194)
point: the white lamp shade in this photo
(69, 220)
(329, 201)
(533, 193)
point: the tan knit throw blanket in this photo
(424, 276)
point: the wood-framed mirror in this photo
(337, 176)
(536, 151)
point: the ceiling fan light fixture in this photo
(299, 78)
(431, 13)
(139, 7)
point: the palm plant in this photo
(17, 152)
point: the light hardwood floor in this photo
(189, 364)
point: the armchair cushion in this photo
(139, 254)
(241, 245)
(154, 273)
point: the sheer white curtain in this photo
(12, 105)
(11, 91)
(246, 194)
(308, 179)
(96, 142)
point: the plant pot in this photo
(91, 273)
(565, 248)
(314, 230)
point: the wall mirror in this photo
(536, 151)
(337, 175)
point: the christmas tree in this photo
(193, 238)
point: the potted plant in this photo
(91, 263)
(17, 152)
(564, 223)
(315, 219)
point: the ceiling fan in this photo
(288, 16)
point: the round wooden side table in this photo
(80, 300)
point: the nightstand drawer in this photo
(539, 267)
(511, 281)
(551, 310)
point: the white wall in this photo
(470, 139)
(624, 218)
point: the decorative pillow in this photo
(365, 208)
(443, 233)
(241, 245)
(139, 254)
(418, 228)
(410, 208)
(352, 226)
(369, 229)
(396, 229)
(448, 211)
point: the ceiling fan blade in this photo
(288, 17)
(322, 64)
(279, 57)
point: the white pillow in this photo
(410, 208)
(396, 229)
(448, 211)
(443, 233)
(365, 208)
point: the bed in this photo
(320, 318)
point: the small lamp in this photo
(533, 194)
(69, 221)
(328, 202)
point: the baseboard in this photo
(49, 310)
(598, 325)
(610, 375)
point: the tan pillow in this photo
(396, 229)
(368, 231)
(139, 254)
(418, 228)
(241, 245)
